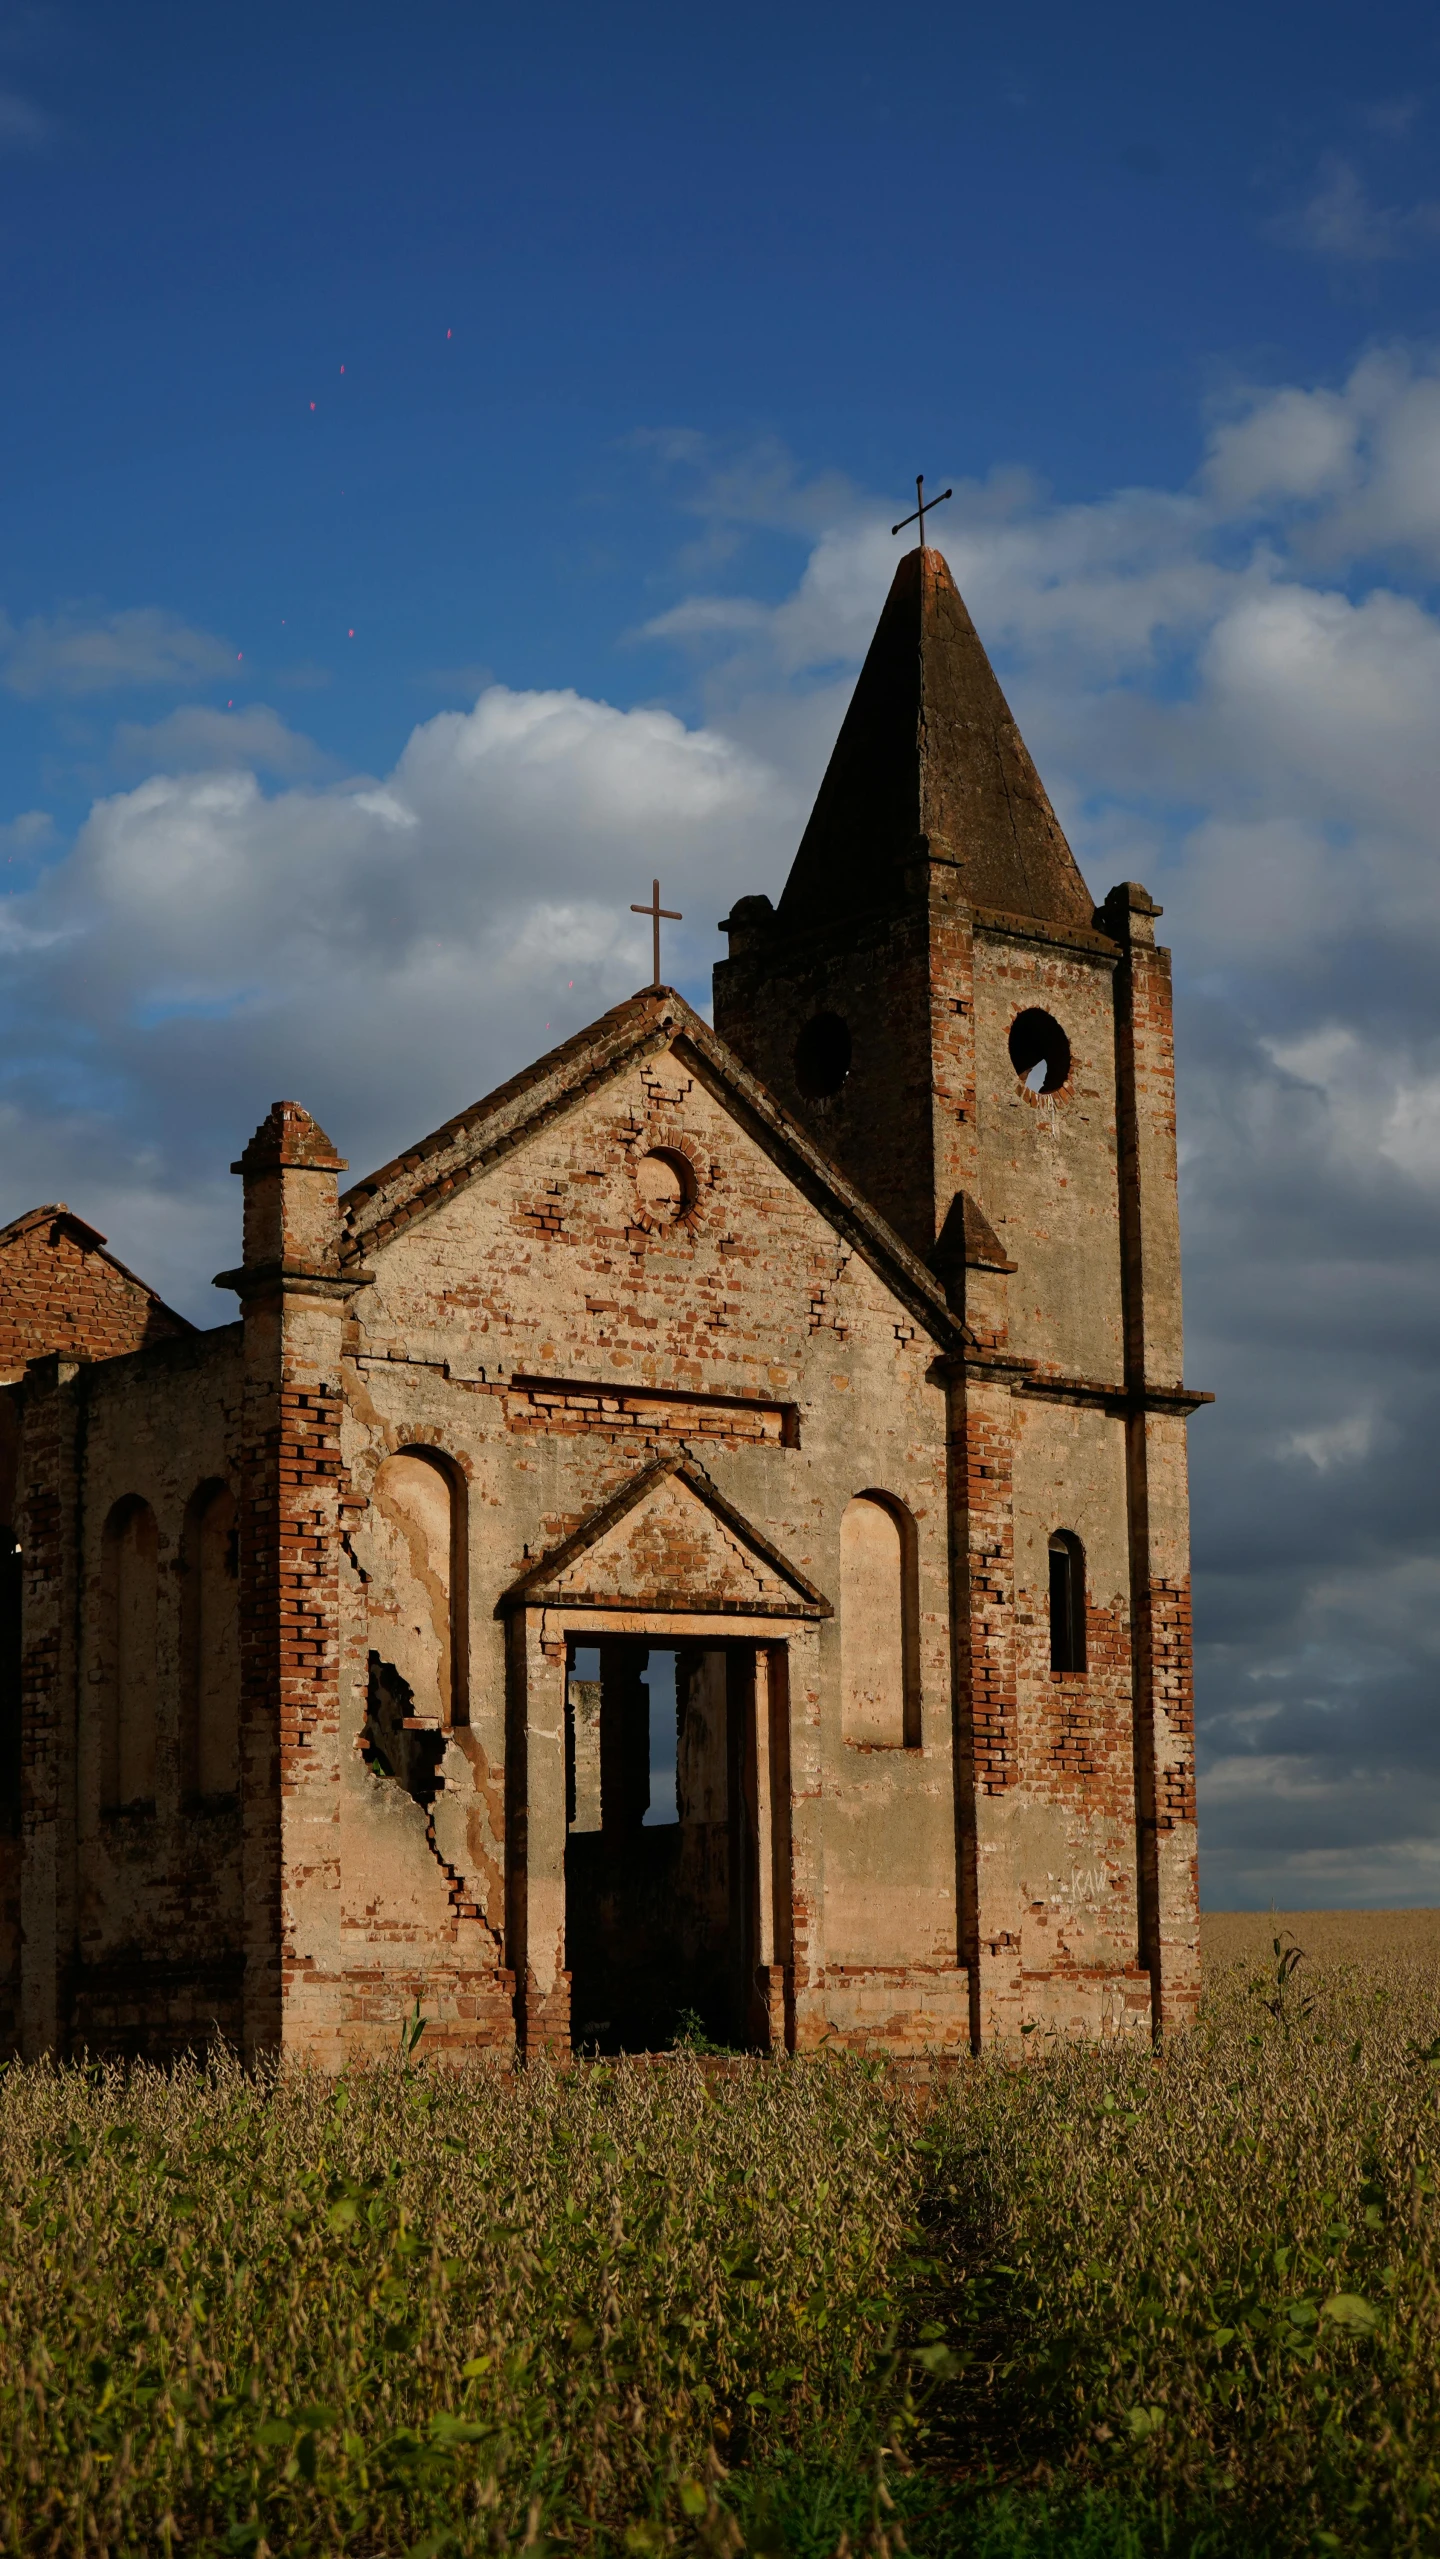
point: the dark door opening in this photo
(660, 1843)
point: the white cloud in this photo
(71, 653)
(1288, 444)
(1355, 472)
(27, 834)
(388, 947)
(1378, 1104)
(1331, 1444)
(1275, 1774)
(1341, 220)
(198, 739)
(1109, 582)
(1327, 704)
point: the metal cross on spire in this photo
(922, 503)
(655, 911)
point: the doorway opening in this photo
(660, 1843)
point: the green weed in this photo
(1207, 2280)
(1173, 2305)
(420, 2309)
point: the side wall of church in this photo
(132, 1875)
(799, 1383)
(59, 1293)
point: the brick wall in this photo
(61, 1291)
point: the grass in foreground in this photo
(1208, 2281)
(1100, 2305)
(432, 2310)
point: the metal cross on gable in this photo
(921, 505)
(655, 911)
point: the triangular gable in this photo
(669, 1543)
(416, 1184)
(59, 1220)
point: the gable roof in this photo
(735, 1571)
(90, 1240)
(929, 759)
(417, 1183)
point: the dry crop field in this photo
(1099, 2302)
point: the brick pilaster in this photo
(293, 1299)
(1156, 1465)
(987, 1754)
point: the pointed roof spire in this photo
(929, 759)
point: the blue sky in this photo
(448, 461)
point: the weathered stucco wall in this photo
(547, 1276)
(1046, 1171)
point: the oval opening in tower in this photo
(822, 1056)
(666, 1185)
(1039, 1051)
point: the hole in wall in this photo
(666, 1184)
(1039, 1051)
(391, 1745)
(822, 1056)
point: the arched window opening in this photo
(877, 1625)
(129, 1580)
(1067, 1601)
(1039, 1051)
(210, 1643)
(412, 1549)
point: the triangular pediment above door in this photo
(669, 1543)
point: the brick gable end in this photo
(61, 1291)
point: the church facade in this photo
(703, 1535)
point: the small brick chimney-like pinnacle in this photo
(289, 1137)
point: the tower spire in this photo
(929, 762)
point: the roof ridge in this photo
(493, 1103)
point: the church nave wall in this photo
(133, 1924)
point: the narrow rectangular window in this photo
(1067, 1602)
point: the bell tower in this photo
(988, 1056)
(853, 999)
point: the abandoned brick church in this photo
(703, 1531)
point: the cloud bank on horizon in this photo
(1230, 688)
